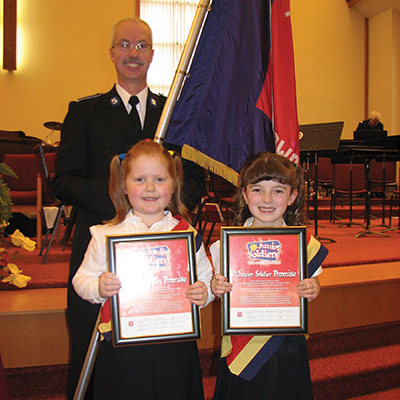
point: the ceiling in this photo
(371, 8)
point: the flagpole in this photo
(181, 71)
(161, 131)
(88, 365)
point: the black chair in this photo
(383, 175)
(224, 192)
(395, 200)
(197, 213)
(348, 181)
(325, 175)
(70, 214)
(46, 166)
(213, 214)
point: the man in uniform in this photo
(95, 129)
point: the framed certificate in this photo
(155, 270)
(264, 265)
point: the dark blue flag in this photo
(220, 116)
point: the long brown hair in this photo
(265, 166)
(120, 167)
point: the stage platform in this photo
(33, 329)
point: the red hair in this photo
(120, 167)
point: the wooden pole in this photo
(10, 35)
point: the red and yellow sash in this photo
(245, 355)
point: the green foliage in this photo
(6, 170)
(5, 198)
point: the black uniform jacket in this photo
(95, 129)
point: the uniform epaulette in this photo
(155, 100)
(89, 97)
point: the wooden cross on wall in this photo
(10, 35)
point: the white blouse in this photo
(94, 264)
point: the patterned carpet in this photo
(354, 363)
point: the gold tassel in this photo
(210, 164)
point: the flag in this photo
(278, 96)
(225, 112)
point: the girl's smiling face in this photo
(149, 188)
(267, 202)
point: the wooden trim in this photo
(10, 35)
(356, 296)
(137, 8)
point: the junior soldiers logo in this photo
(264, 252)
(158, 256)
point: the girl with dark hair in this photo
(271, 194)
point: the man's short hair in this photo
(114, 28)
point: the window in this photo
(170, 21)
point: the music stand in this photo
(370, 136)
(368, 155)
(383, 225)
(319, 139)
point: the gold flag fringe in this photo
(210, 164)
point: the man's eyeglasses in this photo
(140, 47)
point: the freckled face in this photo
(267, 201)
(149, 188)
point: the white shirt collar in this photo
(141, 106)
(249, 222)
(167, 217)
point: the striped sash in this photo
(245, 355)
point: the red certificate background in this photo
(252, 292)
(144, 289)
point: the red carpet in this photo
(344, 364)
(356, 362)
(53, 274)
(347, 250)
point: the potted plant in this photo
(9, 272)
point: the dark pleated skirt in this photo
(148, 372)
(285, 376)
